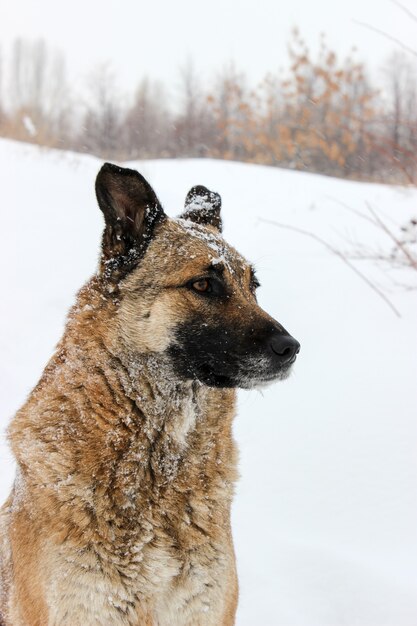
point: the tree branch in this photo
(407, 11)
(398, 243)
(387, 36)
(341, 256)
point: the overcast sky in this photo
(155, 37)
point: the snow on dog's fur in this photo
(120, 512)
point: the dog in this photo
(120, 510)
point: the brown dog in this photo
(120, 512)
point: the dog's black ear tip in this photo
(105, 174)
(202, 196)
(198, 190)
(111, 169)
(108, 167)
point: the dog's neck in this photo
(165, 402)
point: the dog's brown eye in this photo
(210, 287)
(202, 285)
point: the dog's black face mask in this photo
(222, 355)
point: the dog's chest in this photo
(151, 579)
(160, 510)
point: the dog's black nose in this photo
(285, 347)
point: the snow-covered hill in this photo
(325, 515)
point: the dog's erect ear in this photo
(131, 210)
(202, 206)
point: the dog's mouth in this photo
(260, 379)
(246, 374)
(260, 383)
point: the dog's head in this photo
(182, 290)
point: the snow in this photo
(325, 514)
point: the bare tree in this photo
(232, 114)
(147, 122)
(194, 123)
(401, 120)
(102, 120)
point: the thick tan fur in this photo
(120, 513)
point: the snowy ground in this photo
(325, 516)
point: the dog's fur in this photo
(120, 511)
